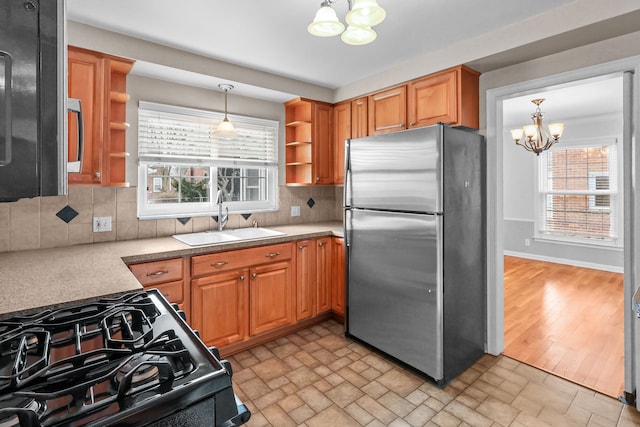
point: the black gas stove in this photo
(127, 361)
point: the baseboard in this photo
(564, 261)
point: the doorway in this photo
(497, 230)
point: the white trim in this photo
(573, 262)
(495, 147)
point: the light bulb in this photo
(365, 13)
(358, 35)
(325, 23)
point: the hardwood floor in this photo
(567, 321)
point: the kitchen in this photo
(28, 231)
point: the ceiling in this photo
(578, 100)
(272, 36)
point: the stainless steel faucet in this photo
(222, 218)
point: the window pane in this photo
(243, 184)
(577, 195)
(177, 184)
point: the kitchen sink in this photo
(212, 237)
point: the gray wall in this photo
(519, 172)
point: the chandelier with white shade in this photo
(363, 14)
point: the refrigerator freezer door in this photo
(395, 285)
(398, 171)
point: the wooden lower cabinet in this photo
(305, 279)
(323, 274)
(271, 297)
(237, 295)
(219, 309)
(168, 277)
(338, 285)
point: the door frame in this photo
(495, 214)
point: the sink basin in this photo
(252, 233)
(212, 237)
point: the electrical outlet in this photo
(101, 224)
(295, 210)
(527, 242)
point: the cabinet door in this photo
(86, 83)
(433, 99)
(219, 307)
(305, 279)
(338, 283)
(271, 297)
(387, 110)
(323, 274)
(342, 132)
(359, 118)
(322, 138)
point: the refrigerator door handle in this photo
(348, 182)
(348, 229)
(8, 132)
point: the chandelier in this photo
(536, 139)
(363, 14)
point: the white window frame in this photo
(616, 240)
(267, 166)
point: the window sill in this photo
(583, 243)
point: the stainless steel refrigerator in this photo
(415, 238)
(33, 93)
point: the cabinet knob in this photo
(321, 244)
(242, 277)
(254, 275)
(97, 175)
(317, 178)
(301, 247)
(412, 123)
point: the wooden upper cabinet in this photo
(98, 80)
(309, 148)
(322, 137)
(359, 118)
(342, 131)
(86, 83)
(449, 97)
(387, 110)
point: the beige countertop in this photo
(49, 278)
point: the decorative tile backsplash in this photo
(47, 222)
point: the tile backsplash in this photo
(35, 223)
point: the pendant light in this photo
(225, 128)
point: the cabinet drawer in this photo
(151, 273)
(172, 291)
(224, 261)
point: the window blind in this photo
(578, 189)
(177, 135)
